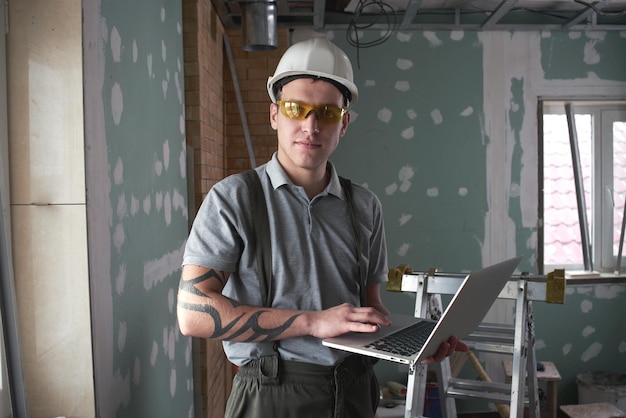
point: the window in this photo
(583, 161)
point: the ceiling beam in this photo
(589, 11)
(503, 8)
(410, 13)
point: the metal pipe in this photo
(580, 190)
(259, 22)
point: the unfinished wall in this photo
(136, 206)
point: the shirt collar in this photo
(278, 177)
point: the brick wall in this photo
(217, 145)
(204, 112)
(253, 69)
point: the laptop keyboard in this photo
(407, 341)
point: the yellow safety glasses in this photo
(327, 114)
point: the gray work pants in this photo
(275, 388)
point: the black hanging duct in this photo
(259, 22)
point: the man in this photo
(319, 286)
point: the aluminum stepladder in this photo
(517, 340)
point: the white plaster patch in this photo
(162, 14)
(584, 290)
(173, 382)
(166, 339)
(391, 189)
(179, 90)
(467, 111)
(134, 205)
(593, 351)
(404, 249)
(370, 83)
(540, 344)
(457, 35)
(170, 300)
(118, 172)
(166, 154)
(462, 191)
(586, 306)
(167, 208)
(135, 51)
(405, 174)
(408, 133)
(436, 116)
(403, 86)
(546, 34)
(403, 36)
(163, 51)
(411, 114)
(404, 64)
(599, 35)
(116, 45)
(384, 115)
(149, 64)
(588, 330)
(432, 192)
(158, 201)
(179, 28)
(120, 280)
(179, 203)
(122, 206)
(622, 347)
(119, 237)
(591, 55)
(574, 35)
(122, 331)
(147, 205)
(156, 270)
(181, 124)
(432, 38)
(514, 190)
(182, 163)
(566, 349)
(188, 352)
(404, 219)
(531, 242)
(622, 34)
(137, 372)
(154, 353)
(158, 166)
(608, 291)
(117, 103)
(172, 345)
(164, 88)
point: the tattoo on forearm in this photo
(190, 285)
(252, 325)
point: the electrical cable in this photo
(385, 13)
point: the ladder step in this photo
(489, 348)
(476, 389)
(496, 338)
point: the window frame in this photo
(600, 223)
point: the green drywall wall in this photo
(433, 107)
(143, 118)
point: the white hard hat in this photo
(315, 58)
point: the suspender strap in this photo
(346, 184)
(261, 238)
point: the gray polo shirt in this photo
(314, 265)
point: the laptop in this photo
(464, 313)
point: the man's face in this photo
(306, 144)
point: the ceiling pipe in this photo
(259, 22)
